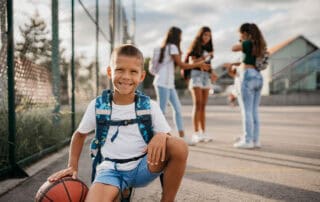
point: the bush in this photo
(36, 130)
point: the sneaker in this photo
(204, 138)
(198, 137)
(243, 145)
(190, 141)
(257, 144)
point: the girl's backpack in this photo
(154, 62)
(262, 62)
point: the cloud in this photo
(301, 19)
(278, 19)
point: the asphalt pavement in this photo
(286, 168)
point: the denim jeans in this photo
(251, 93)
(170, 94)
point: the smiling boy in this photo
(130, 159)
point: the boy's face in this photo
(126, 74)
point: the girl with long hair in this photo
(252, 45)
(200, 81)
(170, 56)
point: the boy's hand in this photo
(156, 149)
(70, 171)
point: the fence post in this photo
(97, 48)
(55, 65)
(73, 115)
(15, 170)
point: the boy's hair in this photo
(126, 50)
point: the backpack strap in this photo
(143, 114)
(103, 109)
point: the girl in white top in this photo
(170, 56)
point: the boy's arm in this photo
(156, 148)
(76, 145)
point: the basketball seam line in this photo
(65, 188)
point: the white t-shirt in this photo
(129, 142)
(165, 76)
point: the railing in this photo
(295, 76)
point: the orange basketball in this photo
(62, 190)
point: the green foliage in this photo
(147, 83)
(35, 131)
(3, 135)
(35, 44)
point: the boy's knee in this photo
(177, 148)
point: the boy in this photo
(165, 153)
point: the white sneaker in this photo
(204, 138)
(243, 145)
(190, 141)
(257, 144)
(195, 137)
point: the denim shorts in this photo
(200, 79)
(137, 177)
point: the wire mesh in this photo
(40, 125)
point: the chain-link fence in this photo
(57, 63)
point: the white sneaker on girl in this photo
(204, 137)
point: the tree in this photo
(35, 45)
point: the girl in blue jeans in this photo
(252, 45)
(170, 57)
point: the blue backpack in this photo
(103, 122)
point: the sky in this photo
(279, 20)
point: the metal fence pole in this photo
(73, 114)
(55, 65)
(113, 32)
(15, 171)
(97, 48)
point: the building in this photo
(294, 66)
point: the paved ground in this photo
(286, 168)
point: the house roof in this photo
(279, 46)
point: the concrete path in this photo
(286, 168)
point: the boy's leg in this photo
(102, 192)
(174, 167)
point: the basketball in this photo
(62, 190)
